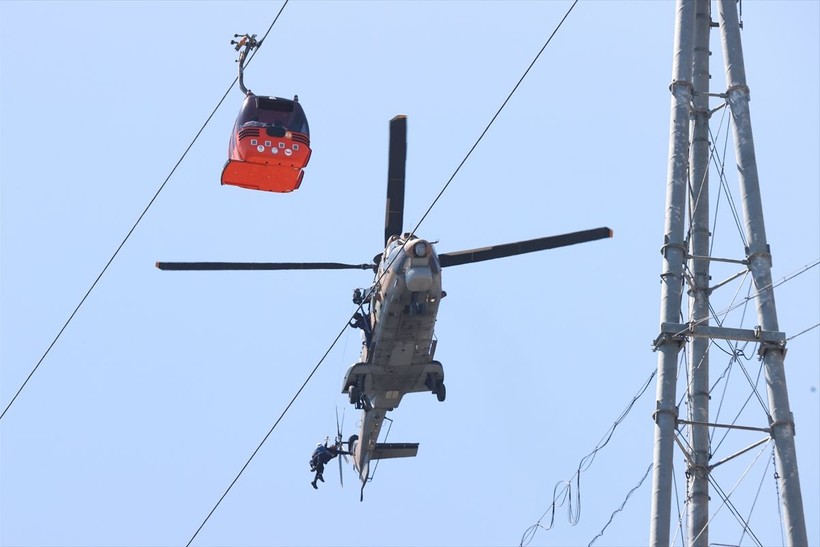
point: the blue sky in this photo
(164, 383)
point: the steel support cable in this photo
(131, 231)
(273, 427)
(753, 385)
(728, 503)
(779, 501)
(743, 406)
(561, 495)
(733, 358)
(720, 164)
(757, 496)
(719, 317)
(623, 504)
(679, 527)
(771, 286)
(804, 331)
(725, 497)
(685, 441)
(734, 354)
(683, 358)
(727, 371)
(694, 199)
(268, 434)
(487, 128)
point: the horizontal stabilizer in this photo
(384, 451)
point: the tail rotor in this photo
(340, 444)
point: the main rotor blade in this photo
(397, 158)
(521, 247)
(219, 266)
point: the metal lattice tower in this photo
(687, 258)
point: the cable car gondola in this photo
(270, 143)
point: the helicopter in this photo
(270, 142)
(397, 313)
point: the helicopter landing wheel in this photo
(440, 391)
(355, 396)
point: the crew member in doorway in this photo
(360, 321)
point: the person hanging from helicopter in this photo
(270, 142)
(322, 455)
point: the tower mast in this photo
(699, 245)
(674, 253)
(686, 259)
(760, 265)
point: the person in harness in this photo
(320, 457)
(360, 321)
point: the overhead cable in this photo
(268, 434)
(486, 129)
(128, 235)
(619, 509)
(562, 495)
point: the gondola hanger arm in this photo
(246, 43)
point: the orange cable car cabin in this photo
(269, 146)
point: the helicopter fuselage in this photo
(398, 343)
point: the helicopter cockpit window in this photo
(390, 253)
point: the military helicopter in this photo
(397, 312)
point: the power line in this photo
(804, 331)
(270, 431)
(134, 227)
(619, 509)
(762, 290)
(565, 494)
(486, 129)
(757, 495)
